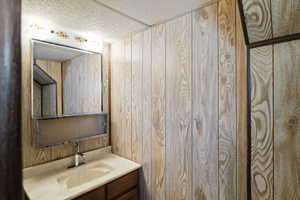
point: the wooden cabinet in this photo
(96, 194)
(131, 195)
(122, 185)
(124, 188)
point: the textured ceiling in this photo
(105, 19)
(84, 17)
(46, 51)
(155, 11)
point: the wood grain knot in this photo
(260, 183)
(292, 124)
(199, 194)
(253, 17)
(254, 11)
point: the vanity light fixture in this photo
(61, 34)
(36, 27)
(80, 39)
(89, 43)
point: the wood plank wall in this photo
(287, 121)
(285, 17)
(258, 19)
(158, 121)
(179, 108)
(275, 116)
(37, 100)
(205, 103)
(81, 93)
(185, 116)
(227, 100)
(242, 117)
(53, 68)
(31, 154)
(268, 19)
(262, 122)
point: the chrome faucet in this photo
(78, 156)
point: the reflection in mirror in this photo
(66, 81)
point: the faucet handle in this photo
(81, 154)
(78, 155)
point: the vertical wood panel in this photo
(158, 111)
(53, 68)
(137, 98)
(258, 19)
(82, 94)
(103, 140)
(178, 164)
(205, 103)
(178, 109)
(82, 84)
(241, 88)
(31, 155)
(106, 67)
(287, 120)
(285, 17)
(106, 76)
(61, 151)
(49, 99)
(227, 100)
(262, 123)
(92, 144)
(270, 19)
(117, 54)
(137, 103)
(147, 116)
(126, 103)
(37, 100)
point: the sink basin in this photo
(84, 174)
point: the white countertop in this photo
(54, 181)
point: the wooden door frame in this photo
(10, 100)
(272, 41)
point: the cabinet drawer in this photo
(131, 195)
(121, 185)
(98, 194)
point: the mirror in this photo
(66, 81)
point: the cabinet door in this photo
(131, 195)
(122, 185)
(98, 194)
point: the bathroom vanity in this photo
(68, 107)
(105, 176)
(124, 188)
